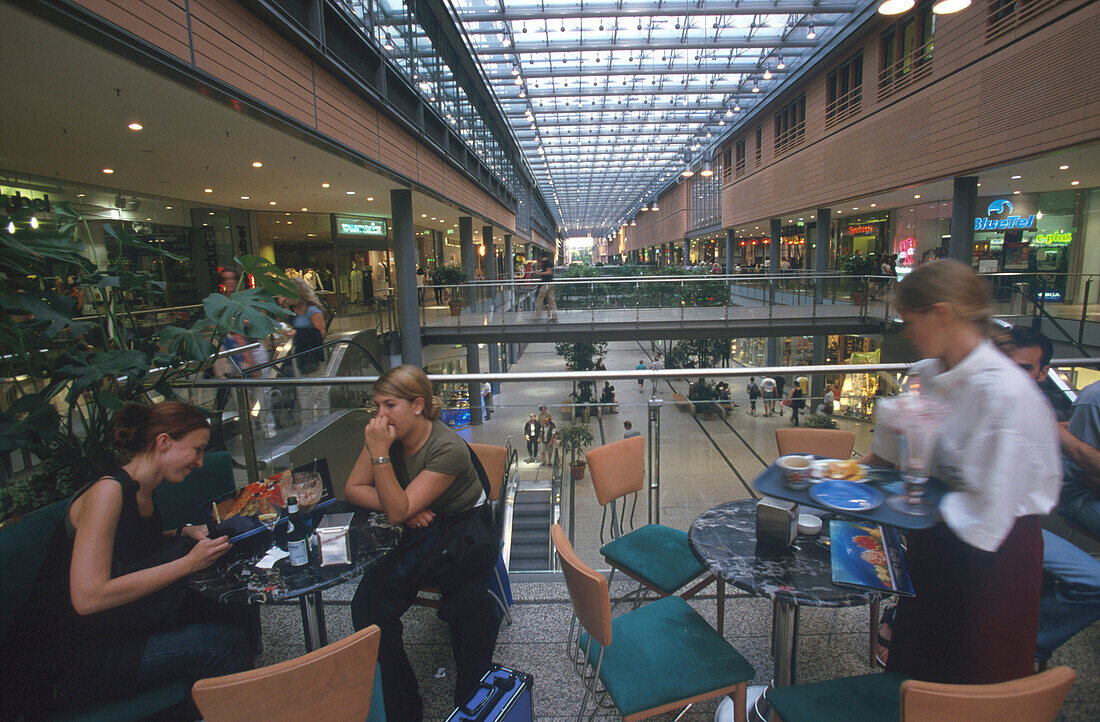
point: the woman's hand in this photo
(195, 531)
(206, 552)
(379, 436)
(421, 520)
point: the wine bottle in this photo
(297, 537)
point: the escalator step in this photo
(530, 536)
(530, 522)
(529, 565)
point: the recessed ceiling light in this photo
(79, 195)
(917, 196)
(211, 213)
(1015, 193)
(304, 210)
(370, 198)
(1016, 177)
(324, 185)
(312, 235)
(873, 205)
(257, 164)
(245, 198)
(168, 208)
(271, 203)
(135, 126)
(1075, 183)
(108, 171)
(207, 190)
(423, 215)
(1063, 167)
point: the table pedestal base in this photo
(784, 639)
(313, 620)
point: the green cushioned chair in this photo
(183, 503)
(891, 696)
(23, 549)
(657, 557)
(652, 660)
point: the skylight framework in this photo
(607, 97)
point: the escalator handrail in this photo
(326, 344)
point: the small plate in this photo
(846, 495)
(821, 466)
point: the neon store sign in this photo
(1053, 239)
(1006, 220)
(860, 230)
(906, 249)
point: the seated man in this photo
(1070, 600)
(1081, 442)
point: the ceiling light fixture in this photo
(653, 206)
(767, 74)
(1063, 167)
(370, 198)
(811, 34)
(304, 210)
(1075, 183)
(245, 198)
(207, 190)
(108, 171)
(946, 7)
(135, 126)
(324, 185)
(272, 203)
(1016, 177)
(257, 164)
(349, 193)
(895, 7)
(707, 171)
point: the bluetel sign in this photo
(1004, 219)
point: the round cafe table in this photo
(235, 578)
(724, 538)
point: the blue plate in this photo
(846, 495)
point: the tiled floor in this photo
(694, 477)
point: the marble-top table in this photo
(235, 578)
(725, 539)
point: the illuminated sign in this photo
(860, 230)
(1053, 239)
(1007, 221)
(346, 226)
(906, 248)
(20, 203)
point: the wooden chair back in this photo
(617, 468)
(830, 443)
(1029, 699)
(493, 459)
(587, 589)
(331, 683)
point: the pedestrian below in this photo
(547, 432)
(796, 402)
(544, 417)
(230, 281)
(631, 432)
(531, 434)
(780, 382)
(437, 286)
(607, 398)
(828, 402)
(546, 291)
(977, 575)
(657, 364)
(487, 399)
(767, 391)
(641, 382)
(600, 364)
(753, 391)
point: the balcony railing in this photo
(906, 71)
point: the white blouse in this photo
(996, 447)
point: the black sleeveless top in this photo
(102, 652)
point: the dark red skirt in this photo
(975, 617)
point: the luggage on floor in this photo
(504, 695)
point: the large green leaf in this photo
(51, 314)
(82, 375)
(245, 312)
(125, 239)
(30, 420)
(45, 253)
(192, 344)
(270, 277)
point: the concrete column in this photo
(509, 257)
(731, 244)
(687, 253)
(773, 247)
(494, 295)
(473, 389)
(963, 210)
(817, 381)
(821, 249)
(771, 352)
(469, 256)
(404, 260)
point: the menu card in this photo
(868, 556)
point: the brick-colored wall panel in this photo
(161, 22)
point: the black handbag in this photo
(468, 545)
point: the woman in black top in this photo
(419, 472)
(129, 622)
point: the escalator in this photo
(531, 507)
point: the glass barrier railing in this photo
(698, 453)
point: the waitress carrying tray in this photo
(771, 482)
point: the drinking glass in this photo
(915, 447)
(308, 487)
(268, 514)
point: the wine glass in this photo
(309, 488)
(915, 448)
(268, 514)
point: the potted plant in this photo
(453, 275)
(60, 411)
(819, 421)
(858, 266)
(703, 393)
(575, 438)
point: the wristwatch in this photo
(376, 460)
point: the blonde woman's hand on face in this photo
(207, 551)
(379, 436)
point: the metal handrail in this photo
(145, 312)
(326, 344)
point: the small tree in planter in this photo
(819, 421)
(453, 275)
(703, 393)
(575, 438)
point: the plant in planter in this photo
(61, 406)
(703, 393)
(819, 421)
(858, 266)
(453, 275)
(575, 438)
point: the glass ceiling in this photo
(609, 99)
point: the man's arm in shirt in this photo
(1084, 455)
